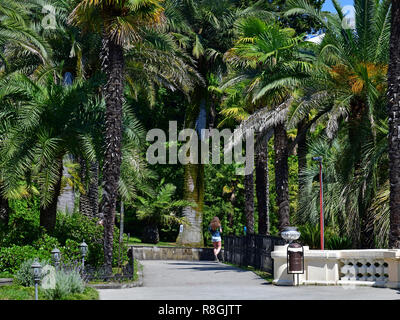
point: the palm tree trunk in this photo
(301, 153)
(262, 190)
(151, 234)
(193, 180)
(113, 65)
(48, 214)
(89, 202)
(249, 202)
(363, 233)
(192, 234)
(66, 201)
(282, 175)
(4, 210)
(394, 126)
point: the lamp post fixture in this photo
(56, 255)
(290, 234)
(37, 272)
(321, 202)
(83, 247)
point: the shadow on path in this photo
(207, 266)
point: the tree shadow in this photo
(210, 266)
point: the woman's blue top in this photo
(214, 233)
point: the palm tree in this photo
(206, 29)
(50, 122)
(159, 210)
(352, 65)
(268, 57)
(17, 31)
(236, 109)
(394, 124)
(341, 192)
(120, 23)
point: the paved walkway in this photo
(203, 280)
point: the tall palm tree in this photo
(353, 66)
(394, 125)
(16, 32)
(206, 29)
(120, 23)
(268, 57)
(235, 108)
(50, 122)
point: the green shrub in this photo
(336, 242)
(46, 243)
(71, 230)
(23, 229)
(24, 275)
(23, 239)
(11, 258)
(310, 235)
(76, 282)
(66, 283)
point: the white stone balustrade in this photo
(378, 267)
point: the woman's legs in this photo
(217, 249)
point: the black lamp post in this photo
(321, 201)
(56, 255)
(83, 247)
(37, 272)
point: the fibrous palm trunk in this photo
(48, 214)
(193, 180)
(89, 201)
(113, 65)
(249, 202)
(282, 175)
(192, 234)
(151, 234)
(363, 232)
(394, 126)
(66, 201)
(301, 153)
(262, 190)
(4, 210)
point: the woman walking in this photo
(216, 230)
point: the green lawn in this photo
(134, 241)
(6, 274)
(17, 292)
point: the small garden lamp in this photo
(37, 272)
(56, 255)
(83, 247)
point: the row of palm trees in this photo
(233, 62)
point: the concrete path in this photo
(203, 280)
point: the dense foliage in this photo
(77, 98)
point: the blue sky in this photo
(328, 6)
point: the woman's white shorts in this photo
(215, 239)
